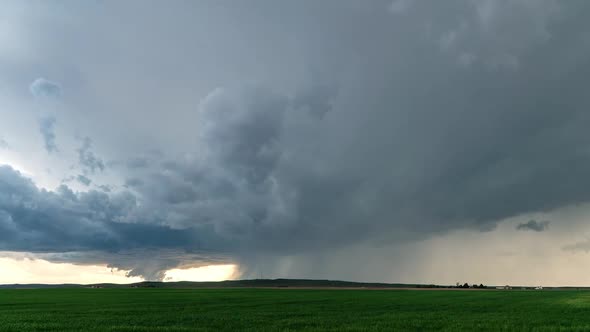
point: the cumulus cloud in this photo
(63, 221)
(533, 225)
(44, 88)
(47, 130)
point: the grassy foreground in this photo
(289, 309)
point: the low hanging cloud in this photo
(533, 225)
(39, 221)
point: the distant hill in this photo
(254, 283)
(29, 286)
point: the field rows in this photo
(291, 310)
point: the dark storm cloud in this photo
(47, 130)
(89, 162)
(65, 221)
(44, 88)
(147, 263)
(421, 145)
(438, 116)
(533, 225)
(229, 183)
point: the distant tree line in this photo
(466, 285)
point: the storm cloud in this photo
(343, 124)
(41, 221)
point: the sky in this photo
(393, 141)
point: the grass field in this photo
(290, 309)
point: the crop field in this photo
(292, 310)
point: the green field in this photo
(290, 310)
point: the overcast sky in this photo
(402, 141)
